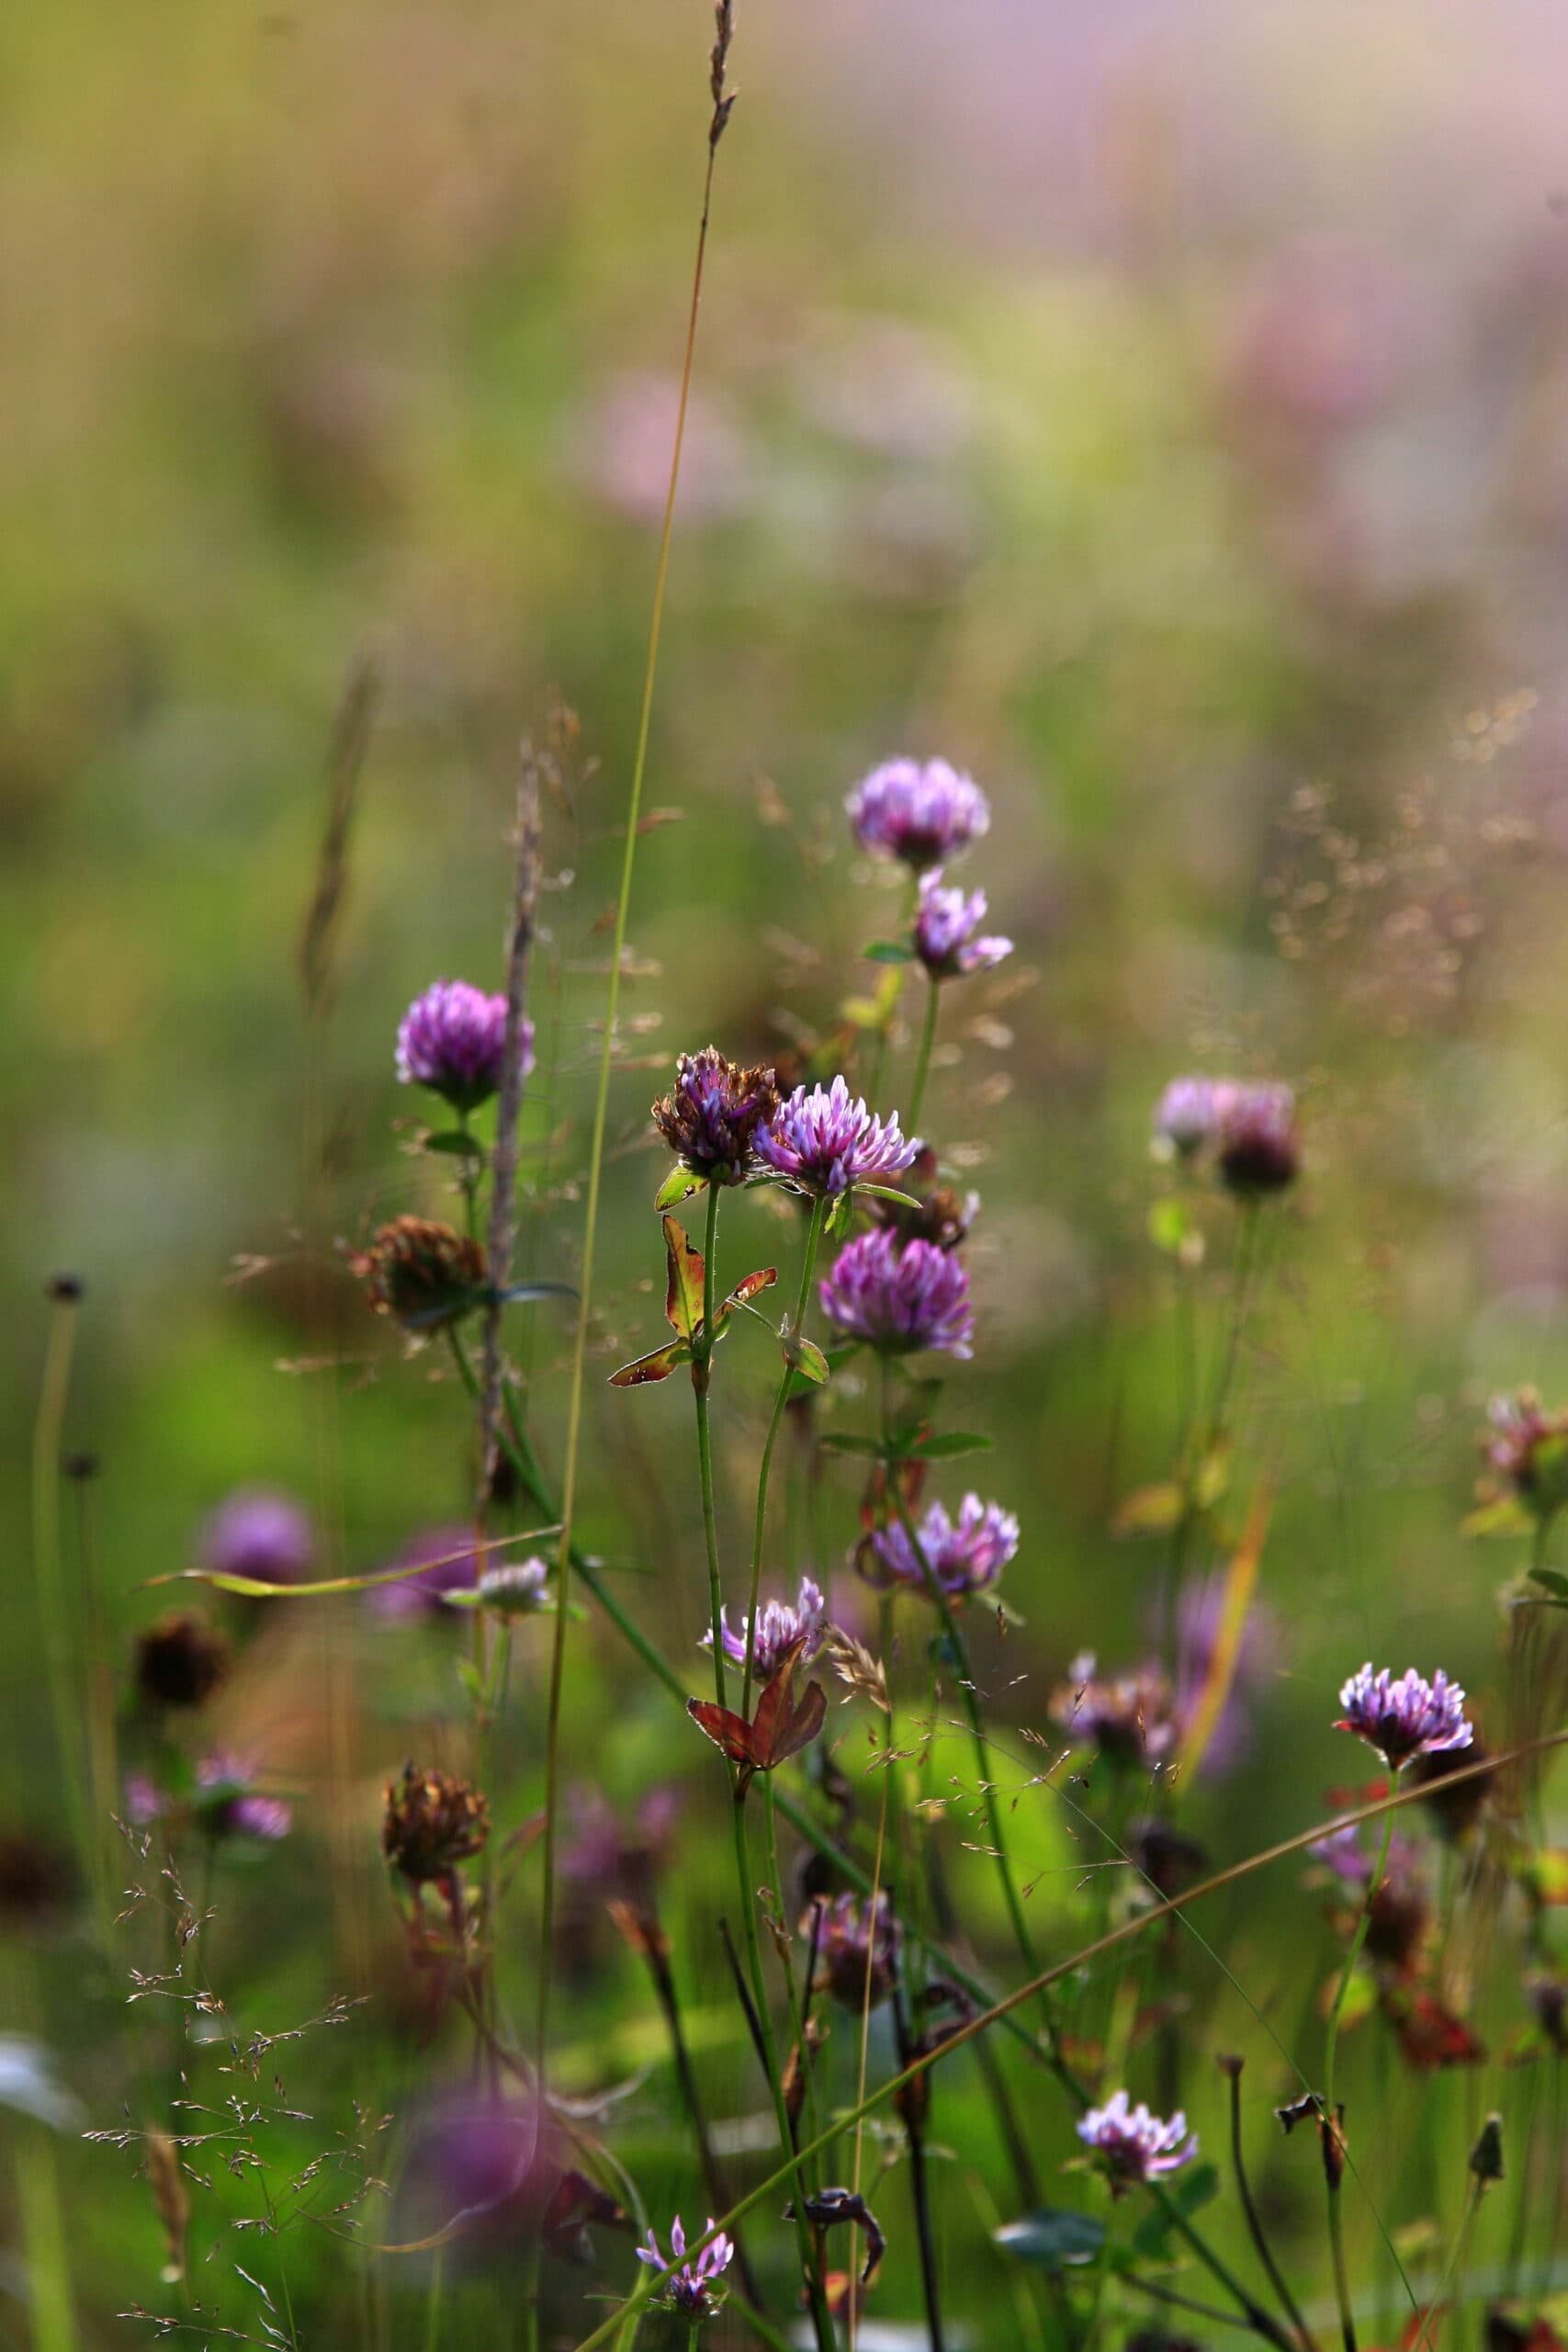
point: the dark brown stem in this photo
(1232, 2068)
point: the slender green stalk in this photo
(1333, 2159)
(56, 1610)
(1254, 2219)
(807, 1268)
(702, 1376)
(923, 1059)
(602, 1108)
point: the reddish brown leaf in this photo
(730, 1732)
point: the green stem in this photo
(596, 1155)
(923, 1060)
(1333, 2165)
(702, 1380)
(807, 1268)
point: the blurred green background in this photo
(1159, 413)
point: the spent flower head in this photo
(1136, 2145)
(899, 1297)
(942, 1214)
(921, 811)
(689, 2285)
(180, 1661)
(420, 1272)
(1258, 1147)
(433, 1822)
(825, 1140)
(965, 1554)
(780, 1626)
(947, 932)
(1405, 1718)
(852, 1934)
(453, 1039)
(711, 1116)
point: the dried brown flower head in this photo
(421, 1272)
(710, 1117)
(434, 1821)
(180, 1661)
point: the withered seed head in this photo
(434, 1821)
(419, 1272)
(180, 1661)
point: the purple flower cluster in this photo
(946, 924)
(825, 1140)
(258, 1532)
(965, 1554)
(1529, 1447)
(1137, 2145)
(923, 813)
(690, 2287)
(444, 1560)
(1405, 1718)
(779, 1624)
(899, 1297)
(1129, 1718)
(711, 1117)
(453, 1039)
(225, 1801)
(1249, 1129)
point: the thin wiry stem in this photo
(702, 1379)
(1254, 2220)
(601, 1096)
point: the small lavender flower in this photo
(446, 1562)
(850, 1934)
(945, 927)
(827, 1140)
(453, 1039)
(965, 1555)
(1188, 1115)
(1257, 1142)
(922, 813)
(1129, 1717)
(228, 1805)
(1137, 2145)
(711, 1116)
(1410, 1717)
(900, 1297)
(779, 1624)
(512, 1589)
(1529, 1447)
(690, 2287)
(1346, 1853)
(258, 1532)
(1400, 1912)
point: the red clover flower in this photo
(851, 1935)
(825, 1140)
(1129, 1717)
(897, 1297)
(258, 1532)
(965, 1554)
(779, 1624)
(453, 1039)
(946, 924)
(1404, 1719)
(1137, 2145)
(711, 1117)
(922, 813)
